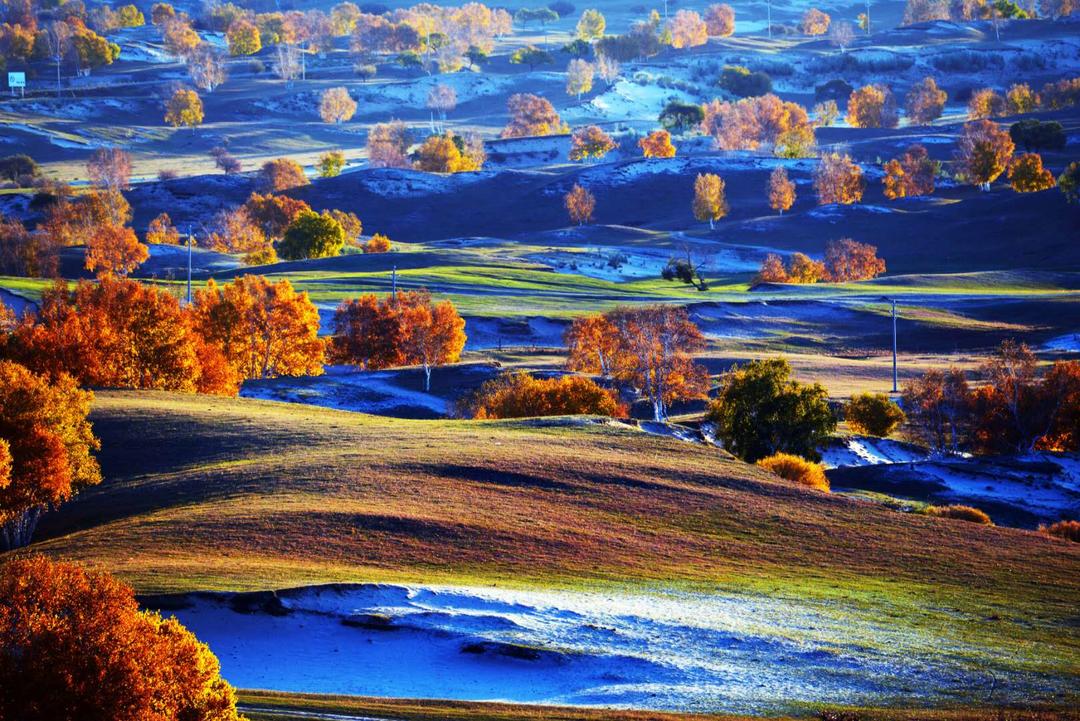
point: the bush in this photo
(14, 167)
(1069, 530)
(761, 411)
(959, 513)
(1034, 135)
(873, 414)
(312, 235)
(967, 61)
(836, 90)
(679, 116)
(796, 469)
(741, 82)
(521, 395)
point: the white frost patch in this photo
(663, 650)
(1069, 342)
(628, 100)
(345, 388)
(401, 183)
(870, 451)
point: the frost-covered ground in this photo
(662, 650)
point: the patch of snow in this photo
(870, 451)
(1069, 342)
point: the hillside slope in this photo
(206, 493)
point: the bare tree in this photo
(58, 38)
(841, 35)
(206, 65)
(288, 65)
(110, 168)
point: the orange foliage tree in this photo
(366, 333)
(657, 144)
(764, 121)
(838, 180)
(281, 174)
(45, 452)
(1020, 99)
(1027, 174)
(450, 153)
(34, 255)
(387, 145)
(648, 349)
(532, 115)
(720, 20)
(274, 213)
(925, 102)
(377, 243)
(235, 231)
(814, 22)
(804, 269)
(986, 103)
(772, 270)
(580, 204)
(912, 174)
(161, 231)
(872, 106)
(115, 250)
(117, 333)
(687, 30)
(74, 645)
(109, 168)
(521, 395)
(74, 221)
(590, 142)
(263, 329)
(781, 190)
(983, 152)
(432, 334)
(710, 202)
(848, 260)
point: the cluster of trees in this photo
(402, 329)
(451, 153)
(74, 644)
(917, 11)
(522, 395)
(1019, 98)
(532, 115)
(1017, 408)
(846, 260)
(67, 34)
(649, 350)
(764, 122)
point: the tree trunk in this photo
(17, 532)
(427, 378)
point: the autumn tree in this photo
(760, 410)
(432, 334)
(825, 113)
(263, 329)
(274, 213)
(591, 345)
(1027, 174)
(925, 102)
(657, 144)
(710, 202)
(580, 204)
(986, 103)
(814, 22)
(803, 269)
(178, 36)
(449, 153)
(531, 56)
(1020, 99)
(109, 168)
(837, 179)
(336, 105)
(590, 142)
(225, 161)
(387, 145)
(983, 152)
(518, 394)
(872, 106)
(848, 260)
(910, 175)
(115, 250)
(873, 414)
(74, 644)
(772, 270)
(23, 253)
(243, 38)
(532, 115)
(206, 66)
(687, 30)
(841, 35)
(781, 190)
(760, 122)
(281, 174)
(378, 243)
(330, 164)
(591, 25)
(184, 107)
(1069, 182)
(312, 235)
(45, 454)
(579, 77)
(366, 333)
(937, 406)
(720, 20)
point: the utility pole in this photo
(189, 244)
(393, 284)
(768, 4)
(894, 387)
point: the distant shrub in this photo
(521, 395)
(14, 167)
(256, 67)
(740, 81)
(959, 513)
(1069, 530)
(378, 243)
(680, 116)
(967, 61)
(281, 174)
(873, 414)
(836, 90)
(796, 469)
(854, 62)
(561, 8)
(166, 174)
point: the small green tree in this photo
(531, 56)
(761, 411)
(330, 163)
(1069, 182)
(312, 235)
(873, 414)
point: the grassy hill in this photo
(206, 493)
